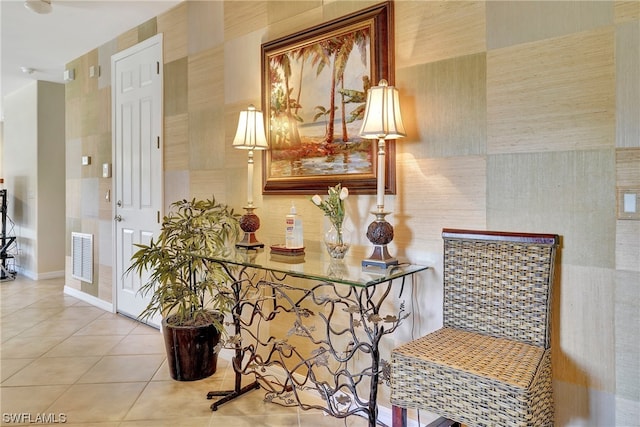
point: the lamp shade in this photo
(250, 134)
(38, 6)
(382, 118)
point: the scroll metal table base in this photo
(328, 371)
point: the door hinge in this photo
(158, 142)
(158, 217)
(157, 67)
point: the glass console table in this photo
(335, 307)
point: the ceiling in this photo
(45, 43)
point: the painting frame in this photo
(378, 21)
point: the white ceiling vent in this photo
(82, 256)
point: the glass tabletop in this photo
(317, 266)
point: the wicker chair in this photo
(490, 363)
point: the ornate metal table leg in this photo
(238, 390)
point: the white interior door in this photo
(137, 153)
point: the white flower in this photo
(317, 200)
(344, 193)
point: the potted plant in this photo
(191, 295)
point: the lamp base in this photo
(380, 233)
(379, 258)
(249, 241)
(249, 223)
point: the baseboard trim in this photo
(89, 299)
(39, 276)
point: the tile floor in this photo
(65, 360)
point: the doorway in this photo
(137, 87)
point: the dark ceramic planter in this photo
(191, 351)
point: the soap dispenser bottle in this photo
(293, 234)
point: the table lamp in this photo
(382, 121)
(250, 136)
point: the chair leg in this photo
(398, 416)
(444, 422)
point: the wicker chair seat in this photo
(458, 370)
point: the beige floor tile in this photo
(32, 315)
(173, 399)
(32, 399)
(56, 299)
(108, 325)
(268, 420)
(9, 367)
(48, 328)
(140, 344)
(85, 403)
(84, 346)
(81, 313)
(28, 347)
(173, 422)
(320, 420)
(142, 329)
(124, 368)
(51, 371)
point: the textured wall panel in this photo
(284, 10)
(206, 139)
(625, 11)
(206, 77)
(568, 193)
(628, 245)
(127, 39)
(282, 23)
(174, 26)
(628, 167)
(105, 52)
(437, 193)
(516, 22)
(242, 17)
(204, 184)
(176, 84)
(437, 99)
(242, 68)
(552, 95)
(628, 85)
(73, 115)
(147, 29)
(627, 336)
(583, 342)
(176, 142)
(206, 25)
(628, 231)
(431, 31)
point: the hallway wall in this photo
(521, 116)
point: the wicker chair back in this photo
(499, 284)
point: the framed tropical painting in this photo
(313, 98)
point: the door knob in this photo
(118, 218)
(119, 203)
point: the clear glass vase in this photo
(337, 241)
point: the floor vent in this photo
(82, 256)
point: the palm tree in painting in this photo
(284, 119)
(339, 49)
(332, 53)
